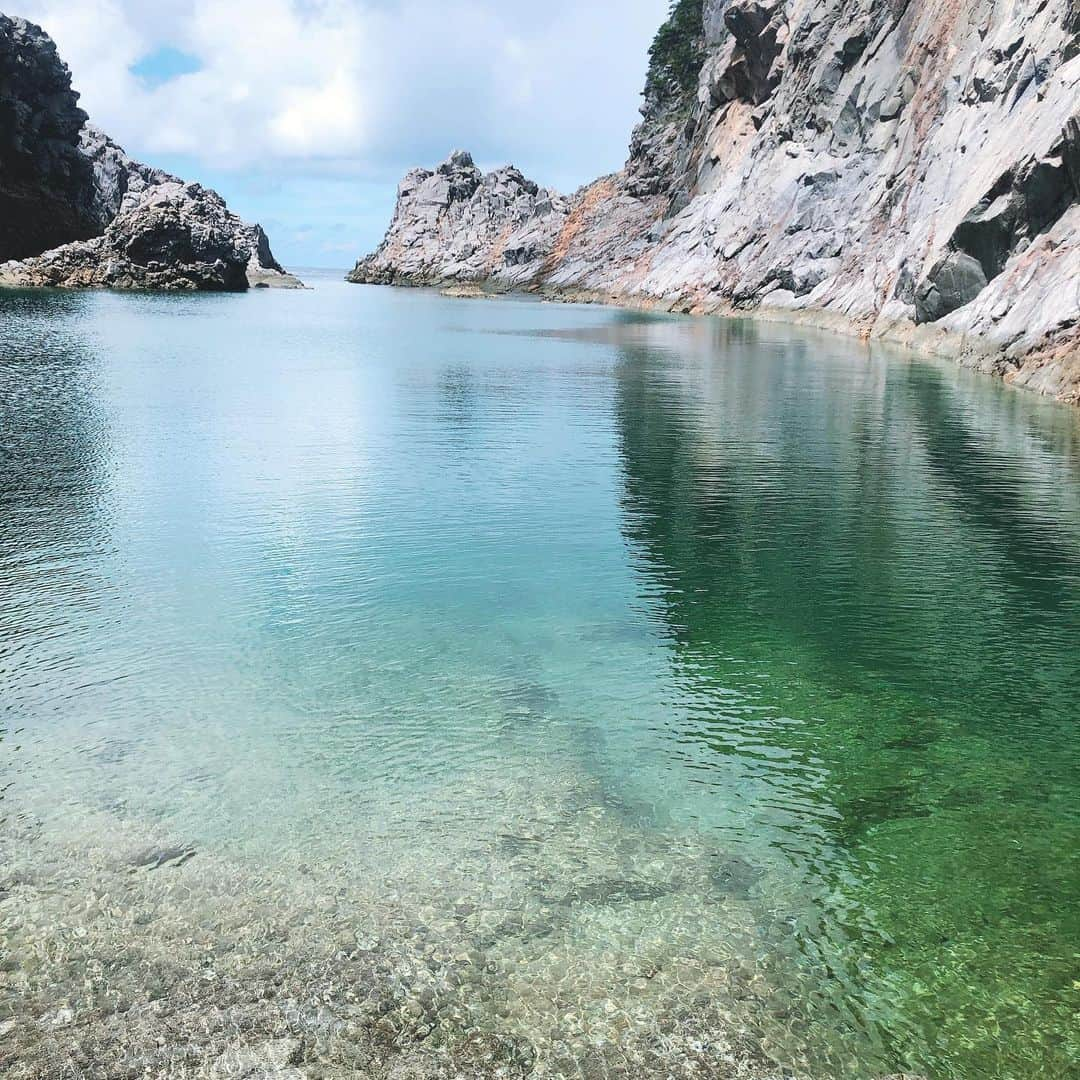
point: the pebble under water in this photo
(402, 686)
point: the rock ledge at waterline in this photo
(906, 170)
(76, 211)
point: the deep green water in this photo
(780, 633)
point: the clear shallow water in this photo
(575, 689)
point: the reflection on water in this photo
(391, 681)
(876, 596)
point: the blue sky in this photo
(305, 113)
(164, 64)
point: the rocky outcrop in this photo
(458, 224)
(76, 211)
(159, 233)
(906, 169)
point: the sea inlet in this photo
(401, 686)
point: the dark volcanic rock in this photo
(166, 234)
(46, 184)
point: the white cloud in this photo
(319, 116)
(367, 86)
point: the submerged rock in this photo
(154, 858)
(909, 170)
(76, 211)
(272, 1059)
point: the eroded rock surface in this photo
(458, 224)
(908, 169)
(159, 233)
(76, 211)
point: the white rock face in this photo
(906, 169)
(457, 224)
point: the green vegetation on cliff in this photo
(676, 55)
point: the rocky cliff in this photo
(46, 185)
(76, 211)
(909, 169)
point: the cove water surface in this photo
(391, 682)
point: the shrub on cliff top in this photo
(676, 55)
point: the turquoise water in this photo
(607, 691)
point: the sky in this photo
(305, 113)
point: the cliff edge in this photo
(907, 169)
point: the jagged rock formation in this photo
(76, 211)
(909, 169)
(159, 233)
(456, 224)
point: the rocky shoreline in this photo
(131, 952)
(78, 212)
(908, 172)
(1053, 371)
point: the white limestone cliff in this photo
(908, 170)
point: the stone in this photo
(953, 281)
(458, 225)
(271, 1059)
(46, 184)
(757, 30)
(154, 857)
(1070, 151)
(900, 98)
